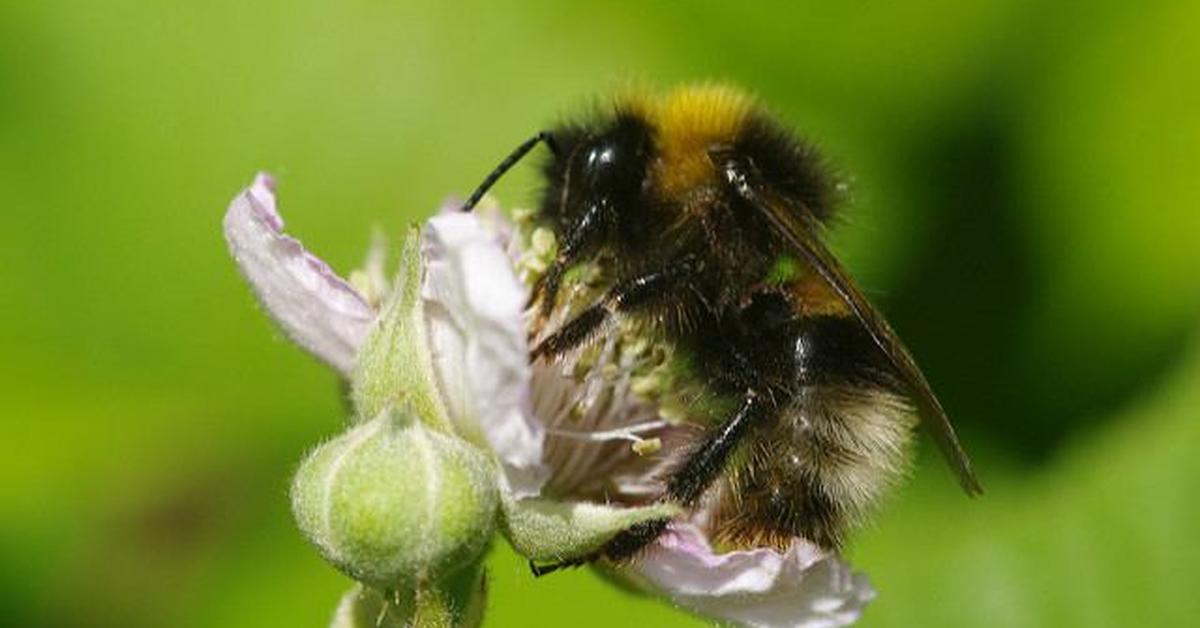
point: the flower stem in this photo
(432, 609)
(454, 602)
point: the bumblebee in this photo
(707, 217)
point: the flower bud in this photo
(393, 502)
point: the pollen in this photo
(647, 446)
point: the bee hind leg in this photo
(698, 471)
(549, 568)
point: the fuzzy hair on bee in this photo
(706, 217)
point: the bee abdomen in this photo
(819, 470)
(839, 442)
(854, 446)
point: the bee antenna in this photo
(516, 155)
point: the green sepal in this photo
(395, 366)
(549, 530)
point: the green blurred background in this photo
(1027, 212)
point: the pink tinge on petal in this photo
(473, 305)
(802, 587)
(316, 308)
(450, 205)
(490, 216)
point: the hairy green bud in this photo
(393, 502)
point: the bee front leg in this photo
(583, 235)
(629, 295)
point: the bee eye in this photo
(600, 156)
(602, 164)
(613, 163)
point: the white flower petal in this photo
(474, 305)
(316, 308)
(802, 587)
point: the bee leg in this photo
(516, 155)
(708, 459)
(573, 333)
(628, 295)
(545, 290)
(694, 476)
(549, 568)
(597, 219)
(632, 540)
(685, 487)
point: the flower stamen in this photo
(628, 432)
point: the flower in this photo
(575, 442)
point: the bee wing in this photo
(792, 226)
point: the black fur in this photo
(793, 166)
